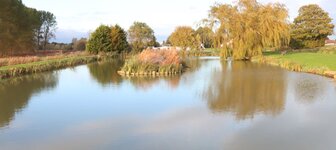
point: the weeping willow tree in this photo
(245, 29)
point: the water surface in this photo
(214, 105)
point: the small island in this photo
(152, 62)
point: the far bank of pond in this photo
(310, 62)
(319, 61)
(42, 66)
(17, 66)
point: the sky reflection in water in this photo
(215, 105)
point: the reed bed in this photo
(153, 62)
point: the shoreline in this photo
(296, 67)
(11, 71)
(55, 64)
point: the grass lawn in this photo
(310, 59)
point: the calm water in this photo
(215, 105)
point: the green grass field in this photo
(311, 59)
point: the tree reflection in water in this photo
(145, 83)
(245, 89)
(309, 88)
(15, 93)
(105, 73)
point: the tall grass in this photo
(41, 66)
(18, 60)
(15, 60)
(327, 50)
(154, 62)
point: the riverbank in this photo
(44, 65)
(320, 61)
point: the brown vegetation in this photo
(153, 62)
(160, 57)
(38, 56)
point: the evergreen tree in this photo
(100, 40)
(119, 39)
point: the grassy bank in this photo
(39, 56)
(44, 65)
(320, 61)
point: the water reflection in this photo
(309, 88)
(145, 83)
(160, 118)
(105, 73)
(194, 63)
(246, 89)
(15, 93)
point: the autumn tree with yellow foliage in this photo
(185, 37)
(246, 29)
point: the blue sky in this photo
(77, 18)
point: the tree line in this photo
(115, 40)
(241, 30)
(23, 28)
(140, 36)
(246, 29)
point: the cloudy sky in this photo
(76, 18)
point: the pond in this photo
(214, 105)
